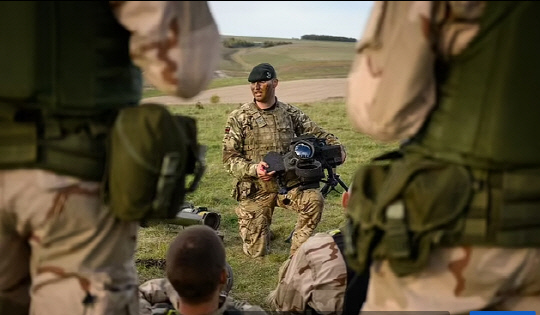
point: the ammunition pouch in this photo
(243, 189)
(400, 211)
(151, 154)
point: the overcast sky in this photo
(291, 19)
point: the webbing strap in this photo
(18, 143)
(504, 209)
(475, 229)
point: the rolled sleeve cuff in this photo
(252, 171)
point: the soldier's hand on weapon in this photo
(262, 173)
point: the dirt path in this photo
(300, 91)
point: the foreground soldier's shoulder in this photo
(319, 239)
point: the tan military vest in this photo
(266, 131)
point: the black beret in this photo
(262, 72)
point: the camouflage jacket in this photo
(157, 296)
(251, 133)
(160, 33)
(316, 275)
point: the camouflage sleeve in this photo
(391, 87)
(244, 307)
(175, 43)
(233, 158)
(156, 291)
(153, 291)
(305, 125)
(316, 275)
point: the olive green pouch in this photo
(151, 154)
(243, 189)
(18, 143)
(18, 140)
(401, 210)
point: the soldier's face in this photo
(263, 91)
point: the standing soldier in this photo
(451, 223)
(253, 130)
(67, 69)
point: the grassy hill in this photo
(301, 59)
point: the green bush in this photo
(214, 99)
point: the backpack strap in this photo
(357, 284)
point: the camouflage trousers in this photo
(255, 216)
(460, 280)
(63, 251)
(316, 276)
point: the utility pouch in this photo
(18, 140)
(151, 153)
(401, 210)
(517, 220)
(504, 209)
(243, 189)
(73, 146)
(18, 143)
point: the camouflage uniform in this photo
(250, 134)
(457, 279)
(316, 275)
(64, 250)
(157, 291)
(460, 280)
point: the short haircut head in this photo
(195, 262)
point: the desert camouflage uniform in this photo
(177, 52)
(157, 291)
(457, 279)
(64, 252)
(250, 134)
(316, 275)
(460, 280)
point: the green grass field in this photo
(301, 59)
(252, 281)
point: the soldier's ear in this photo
(223, 277)
(345, 199)
(275, 82)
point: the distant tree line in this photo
(328, 38)
(241, 43)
